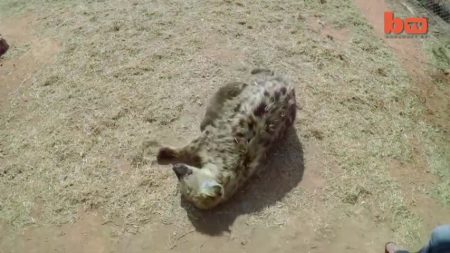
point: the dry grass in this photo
(135, 73)
(433, 135)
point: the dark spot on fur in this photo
(251, 124)
(242, 122)
(240, 135)
(266, 93)
(277, 96)
(260, 110)
(237, 108)
(283, 90)
(247, 161)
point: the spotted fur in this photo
(241, 124)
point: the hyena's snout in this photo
(181, 170)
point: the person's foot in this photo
(391, 248)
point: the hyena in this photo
(242, 122)
(3, 46)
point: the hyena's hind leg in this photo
(186, 155)
(215, 106)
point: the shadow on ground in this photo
(283, 172)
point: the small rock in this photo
(3, 46)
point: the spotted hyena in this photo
(241, 124)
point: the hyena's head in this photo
(198, 186)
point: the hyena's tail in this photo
(168, 155)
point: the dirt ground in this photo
(89, 90)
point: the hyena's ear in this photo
(211, 188)
(167, 155)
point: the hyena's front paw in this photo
(166, 155)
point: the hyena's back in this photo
(248, 126)
(268, 107)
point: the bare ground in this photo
(89, 90)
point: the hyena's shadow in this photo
(283, 171)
